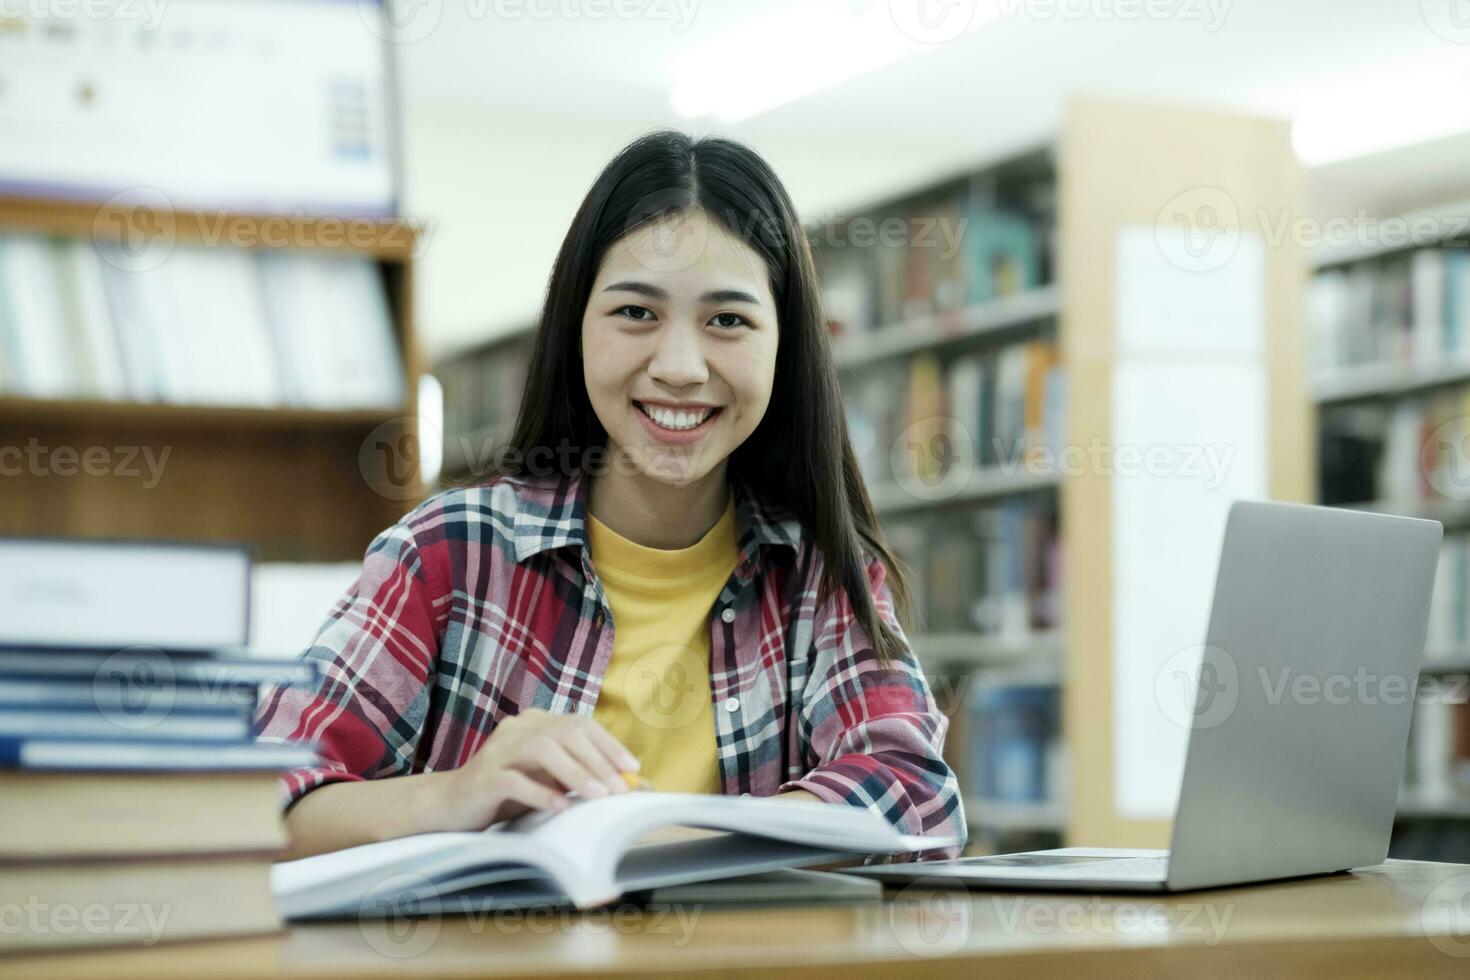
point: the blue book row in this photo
(150, 711)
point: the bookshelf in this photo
(482, 392)
(1388, 316)
(295, 472)
(1111, 169)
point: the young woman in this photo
(673, 569)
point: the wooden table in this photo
(1403, 919)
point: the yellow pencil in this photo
(636, 781)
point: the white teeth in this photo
(671, 419)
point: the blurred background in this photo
(269, 271)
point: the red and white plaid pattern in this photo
(484, 601)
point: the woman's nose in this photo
(679, 357)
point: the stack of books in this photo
(138, 806)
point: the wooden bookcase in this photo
(482, 389)
(1362, 447)
(294, 483)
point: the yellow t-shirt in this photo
(655, 696)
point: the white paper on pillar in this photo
(1189, 436)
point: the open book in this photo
(587, 855)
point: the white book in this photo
(586, 855)
(228, 345)
(333, 329)
(71, 592)
(88, 303)
(34, 318)
(1426, 272)
(134, 330)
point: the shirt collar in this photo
(552, 511)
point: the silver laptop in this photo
(1281, 786)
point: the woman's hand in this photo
(530, 762)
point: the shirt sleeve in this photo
(375, 656)
(874, 735)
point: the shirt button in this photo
(728, 615)
(732, 704)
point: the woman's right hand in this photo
(530, 761)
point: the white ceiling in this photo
(1279, 56)
(508, 117)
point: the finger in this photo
(517, 787)
(587, 752)
(616, 752)
(546, 752)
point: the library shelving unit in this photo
(1037, 337)
(293, 480)
(1388, 318)
(482, 392)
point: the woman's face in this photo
(679, 346)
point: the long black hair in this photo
(799, 455)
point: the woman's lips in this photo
(676, 437)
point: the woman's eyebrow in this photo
(657, 292)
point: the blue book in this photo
(155, 721)
(154, 668)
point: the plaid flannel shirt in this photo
(482, 602)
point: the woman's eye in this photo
(634, 313)
(728, 320)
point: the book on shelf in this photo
(990, 571)
(1405, 451)
(587, 855)
(1438, 770)
(207, 326)
(932, 257)
(1404, 309)
(1015, 751)
(921, 418)
(482, 396)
